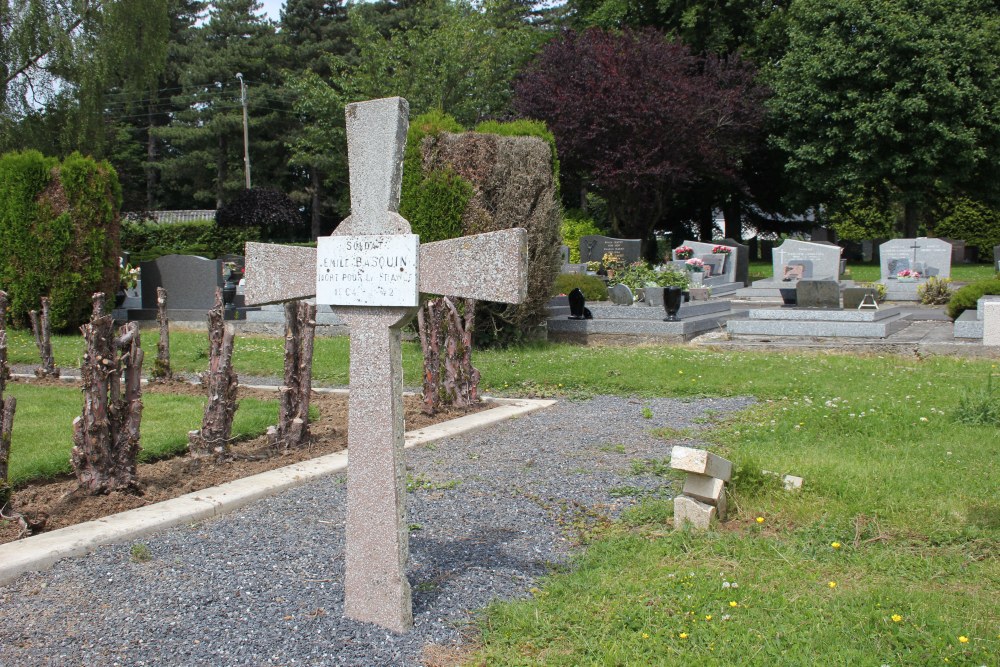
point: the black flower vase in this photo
(671, 302)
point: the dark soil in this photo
(56, 504)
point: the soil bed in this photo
(59, 504)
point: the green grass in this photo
(43, 427)
(871, 272)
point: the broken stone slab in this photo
(790, 482)
(701, 462)
(704, 488)
(689, 510)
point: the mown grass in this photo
(43, 427)
(894, 475)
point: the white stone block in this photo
(704, 488)
(792, 483)
(991, 323)
(701, 462)
(689, 510)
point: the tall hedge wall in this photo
(458, 184)
(59, 234)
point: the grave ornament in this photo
(371, 272)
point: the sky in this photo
(273, 8)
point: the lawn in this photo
(43, 427)
(889, 554)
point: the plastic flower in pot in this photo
(684, 252)
(694, 265)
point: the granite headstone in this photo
(740, 258)
(621, 295)
(931, 257)
(722, 265)
(190, 280)
(818, 294)
(819, 261)
(996, 257)
(593, 248)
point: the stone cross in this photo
(489, 266)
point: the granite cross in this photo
(371, 271)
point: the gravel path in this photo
(262, 586)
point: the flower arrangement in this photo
(128, 275)
(694, 265)
(684, 252)
(594, 266)
(908, 273)
(721, 250)
(613, 261)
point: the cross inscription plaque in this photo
(490, 266)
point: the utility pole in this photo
(246, 131)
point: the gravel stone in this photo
(490, 513)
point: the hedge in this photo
(59, 233)
(145, 241)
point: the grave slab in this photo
(688, 510)
(593, 248)
(701, 462)
(817, 294)
(704, 488)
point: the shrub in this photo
(639, 274)
(270, 211)
(575, 225)
(965, 298)
(59, 234)
(935, 291)
(977, 224)
(146, 241)
(593, 288)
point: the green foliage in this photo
(140, 553)
(639, 274)
(863, 218)
(880, 290)
(965, 298)
(979, 407)
(146, 241)
(936, 291)
(750, 480)
(974, 222)
(59, 231)
(575, 225)
(593, 288)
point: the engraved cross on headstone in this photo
(371, 258)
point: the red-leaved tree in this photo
(642, 118)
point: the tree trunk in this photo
(43, 340)
(429, 329)
(911, 220)
(732, 212)
(106, 435)
(293, 413)
(161, 367)
(221, 382)
(461, 378)
(152, 156)
(7, 407)
(316, 187)
(706, 225)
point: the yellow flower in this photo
(645, 635)
(760, 519)
(734, 603)
(708, 618)
(835, 545)
(896, 618)
(963, 639)
(684, 635)
(832, 584)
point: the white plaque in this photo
(369, 270)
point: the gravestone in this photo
(621, 295)
(724, 268)
(856, 297)
(190, 280)
(372, 255)
(991, 323)
(593, 248)
(996, 257)
(564, 254)
(819, 261)
(931, 257)
(958, 250)
(741, 265)
(817, 294)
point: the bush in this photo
(935, 291)
(145, 241)
(965, 298)
(639, 274)
(575, 225)
(593, 288)
(270, 211)
(59, 234)
(977, 224)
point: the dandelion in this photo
(896, 618)
(734, 603)
(832, 584)
(684, 635)
(835, 545)
(645, 635)
(760, 519)
(708, 618)
(963, 639)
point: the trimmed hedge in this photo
(145, 241)
(432, 202)
(59, 233)
(593, 288)
(965, 298)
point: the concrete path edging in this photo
(40, 552)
